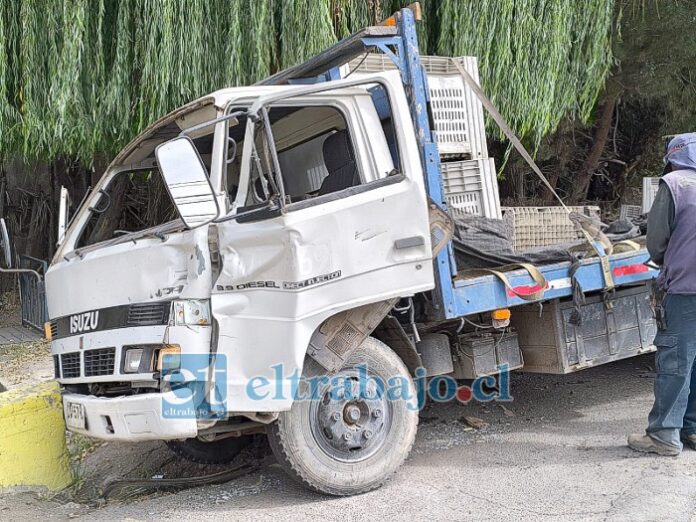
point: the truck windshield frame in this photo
(137, 155)
(259, 114)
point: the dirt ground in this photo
(556, 452)
(21, 362)
(10, 309)
(24, 363)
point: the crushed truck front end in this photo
(116, 325)
(128, 292)
(245, 290)
(109, 363)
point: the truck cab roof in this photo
(211, 106)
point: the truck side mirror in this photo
(187, 181)
(5, 240)
(63, 214)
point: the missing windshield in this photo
(131, 202)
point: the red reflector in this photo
(630, 269)
(523, 290)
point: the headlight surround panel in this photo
(192, 312)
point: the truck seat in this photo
(339, 159)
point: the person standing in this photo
(671, 243)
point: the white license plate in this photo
(75, 416)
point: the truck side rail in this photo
(486, 292)
(324, 63)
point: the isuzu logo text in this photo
(84, 322)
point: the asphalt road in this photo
(556, 452)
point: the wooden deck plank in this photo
(18, 334)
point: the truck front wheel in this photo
(346, 439)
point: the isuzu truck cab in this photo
(287, 207)
(254, 248)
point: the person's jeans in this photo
(675, 380)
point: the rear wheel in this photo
(221, 451)
(348, 443)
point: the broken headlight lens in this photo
(169, 358)
(192, 312)
(131, 361)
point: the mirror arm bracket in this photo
(106, 207)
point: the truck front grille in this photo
(54, 329)
(96, 363)
(56, 367)
(148, 314)
(70, 364)
(99, 362)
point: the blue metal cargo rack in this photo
(456, 296)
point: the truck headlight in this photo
(131, 361)
(192, 312)
(169, 358)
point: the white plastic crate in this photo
(630, 212)
(471, 187)
(457, 112)
(650, 186)
(532, 227)
(465, 203)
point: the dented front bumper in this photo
(132, 418)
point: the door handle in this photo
(409, 242)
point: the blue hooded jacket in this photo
(681, 152)
(678, 273)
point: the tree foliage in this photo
(657, 53)
(539, 60)
(79, 78)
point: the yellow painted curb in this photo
(32, 438)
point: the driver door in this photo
(353, 230)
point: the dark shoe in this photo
(644, 443)
(689, 440)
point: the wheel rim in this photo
(348, 425)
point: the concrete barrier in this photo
(32, 438)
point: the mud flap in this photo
(337, 337)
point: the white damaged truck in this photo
(261, 236)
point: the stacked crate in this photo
(469, 178)
(650, 186)
(533, 227)
(630, 212)
(470, 187)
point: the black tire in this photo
(222, 451)
(310, 450)
(2, 388)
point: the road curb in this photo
(33, 451)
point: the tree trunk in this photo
(601, 136)
(564, 149)
(515, 176)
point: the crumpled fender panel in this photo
(148, 270)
